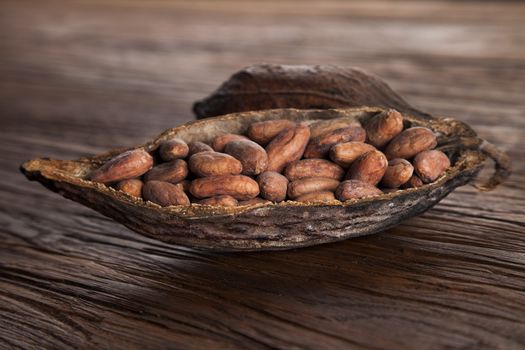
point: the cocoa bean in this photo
(429, 165)
(351, 189)
(220, 141)
(164, 193)
(273, 186)
(252, 156)
(397, 173)
(344, 154)
(384, 127)
(197, 147)
(173, 149)
(239, 187)
(133, 187)
(370, 168)
(254, 201)
(214, 164)
(319, 146)
(173, 172)
(325, 126)
(287, 147)
(312, 197)
(264, 132)
(411, 142)
(300, 187)
(313, 168)
(125, 166)
(413, 182)
(220, 201)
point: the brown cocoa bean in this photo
(133, 187)
(273, 186)
(397, 173)
(344, 154)
(173, 149)
(197, 147)
(221, 141)
(239, 187)
(164, 193)
(252, 156)
(220, 201)
(312, 197)
(313, 168)
(370, 168)
(264, 132)
(254, 201)
(214, 164)
(383, 127)
(351, 189)
(413, 182)
(287, 147)
(125, 166)
(184, 185)
(429, 165)
(325, 126)
(320, 146)
(411, 142)
(300, 187)
(173, 172)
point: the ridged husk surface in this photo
(264, 226)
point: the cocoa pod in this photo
(173, 172)
(254, 201)
(383, 127)
(264, 132)
(220, 201)
(164, 193)
(413, 182)
(351, 189)
(344, 154)
(429, 165)
(300, 187)
(287, 147)
(319, 146)
(272, 186)
(133, 187)
(312, 197)
(411, 142)
(239, 187)
(125, 166)
(313, 168)
(221, 141)
(369, 168)
(173, 149)
(197, 147)
(398, 172)
(252, 156)
(214, 164)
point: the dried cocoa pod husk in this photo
(252, 156)
(239, 187)
(283, 225)
(273, 186)
(313, 168)
(173, 149)
(264, 132)
(398, 172)
(174, 171)
(219, 201)
(133, 187)
(370, 167)
(315, 197)
(319, 146)
(429, 165)
(164, 193)
(287, 147)
(214, 164)
(303, 186)
(269, 86)
(123, 166)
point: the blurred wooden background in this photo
(80, 77)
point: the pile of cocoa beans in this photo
(279, 160)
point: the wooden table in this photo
(81, 77)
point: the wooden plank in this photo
(81, 77)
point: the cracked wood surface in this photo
(78, 78)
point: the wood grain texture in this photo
(77, 78)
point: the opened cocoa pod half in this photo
(227, 210)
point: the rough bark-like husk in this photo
(271, 86)
(264, 226)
